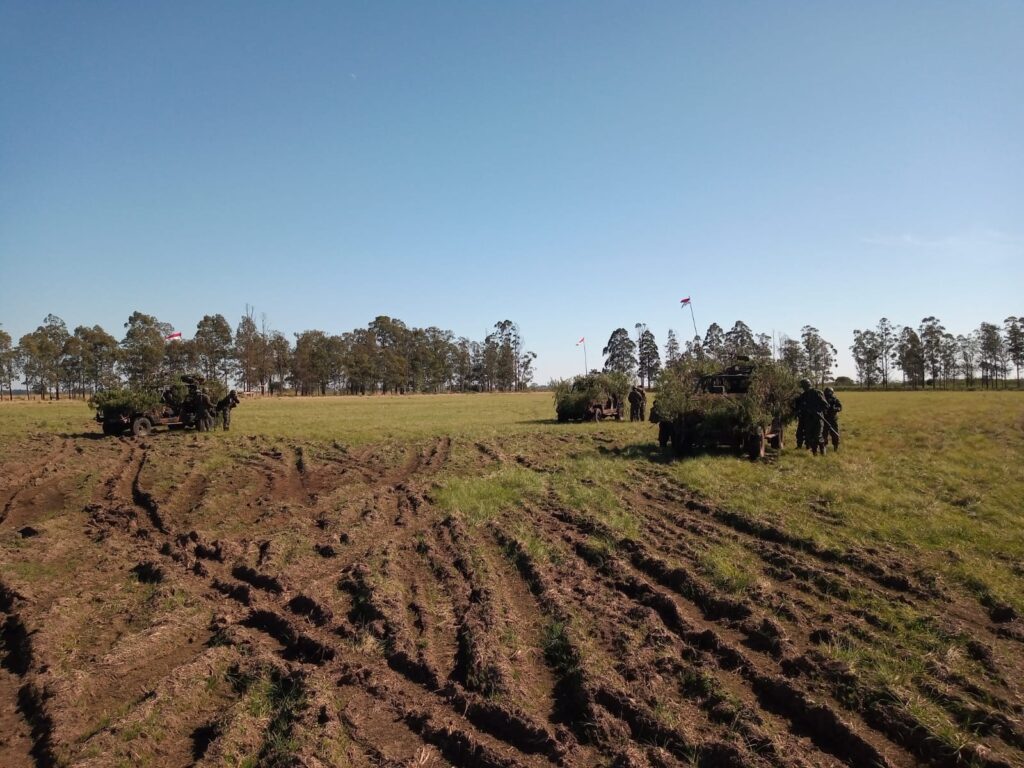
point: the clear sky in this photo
(572, 166)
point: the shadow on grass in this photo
(84, 435)
(643, 451)
(657, 455)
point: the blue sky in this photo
(572, 166)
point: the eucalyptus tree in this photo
(821, 355)
(648, 357)
(620, 353)
(214, 341)
(671, 347)
(142, 349)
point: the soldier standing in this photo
(799, 424)
(224, 406)
(811, 407)
(832, 417)
(634, 404)
(643, 403)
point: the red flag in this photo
(684, 302)
(176, 336)
(582, 339)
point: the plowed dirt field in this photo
(198, 600)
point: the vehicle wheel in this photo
(110, 428)
(598, 414)
(755, 445)
(142, 426)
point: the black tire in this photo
(142, 426)
(110, 428)
(598, 414)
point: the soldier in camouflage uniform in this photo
(224, 406)
(634, 398)
(832, 417)
(811, 407)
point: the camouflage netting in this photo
(770, 396)
(573, 397)
(125, 400)
(143, 400)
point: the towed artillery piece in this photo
(140, 411)
(744, 407)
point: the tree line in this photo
(810, 355)
(386, 356)
(931, 355)
(926, 356)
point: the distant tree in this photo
(213, 342)
(930, 332)
(648, 357)
(247, 348)
(42, 354)
(8, 364)
(968, 349)
(100, 354)
(886, 340)
(867, 357)
(714, 342)
(462, 364)
(281, 359)
(312, 365)
(793, 356)
(671, 347)
(620, 353)
(739, 340)
(1014, 327)
(763, 347)
(993, 361)
(949, 353)
(142, 349)
(909, 357)
(820, 354)
(180, 357)
(694, 349)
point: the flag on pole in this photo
(582, 339)
(684, 302)
(176, 336)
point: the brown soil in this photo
(186, 601)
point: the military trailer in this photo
(594, 397)
(743, 407)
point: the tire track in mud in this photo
(23, 693)
(308, 639)
(733, 627)
(537, 639)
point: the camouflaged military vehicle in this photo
(744, 407)
(594, 397)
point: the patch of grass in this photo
(729, 566)
(479, 499)
(558, 649)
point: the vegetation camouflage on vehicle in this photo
(123, 400)
(574, 398)
(706, 406)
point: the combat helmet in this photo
(805, 383)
